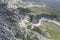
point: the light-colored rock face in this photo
(19, 3)
(10, 3)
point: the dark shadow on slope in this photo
(24, 11)
(35, 19)
(46, 16)
(3, 4)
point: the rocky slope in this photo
(9, 25)
(20, 23)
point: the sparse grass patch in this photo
(53, 30)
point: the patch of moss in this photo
(18, 35)
(38, 30)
